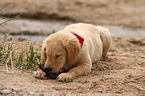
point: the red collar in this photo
(81, 39)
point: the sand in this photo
(122, 73)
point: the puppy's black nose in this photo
(48, 68)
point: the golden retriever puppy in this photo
(74, 48)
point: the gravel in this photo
(17, 92)
(5, 91)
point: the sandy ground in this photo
(124, 75)
(125, 72)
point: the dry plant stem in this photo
(140, 89)
(5, 51)
(5, 6)
(6, 34)
(11, 60)
(5, 21)
(7, 65)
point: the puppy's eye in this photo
(57, 56)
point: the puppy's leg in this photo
(106, 40)
(83, 67)
(40, 74)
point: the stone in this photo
(100, 91)
(5, 91)
(14, 93)
(31, 92)
(16, 89)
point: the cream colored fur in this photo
(97, 41)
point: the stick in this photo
(5, 6)
(11, 61)
(6, 21)
(7, 65)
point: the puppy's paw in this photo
(39, 74)
(65, 77)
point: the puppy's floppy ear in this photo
(43, 54)
(73, 48)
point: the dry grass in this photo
(27, 60)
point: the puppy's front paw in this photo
(39, 74)
(65, 77)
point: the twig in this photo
(4, 27)
(5, 51)
(6, 34)
(7, 65)
(140, 89)
(11, 60)
(5, 6)
(6, 21)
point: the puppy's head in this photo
(59, 50)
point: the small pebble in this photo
(14, 93)
(94, 84)
(100, 91)
(21, 38)
(24, 93)
(16, 89)
(5, 91)
(31, 93)
(10, 39)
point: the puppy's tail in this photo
(105, 36)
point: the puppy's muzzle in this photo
(45, 69)
(48, 68)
